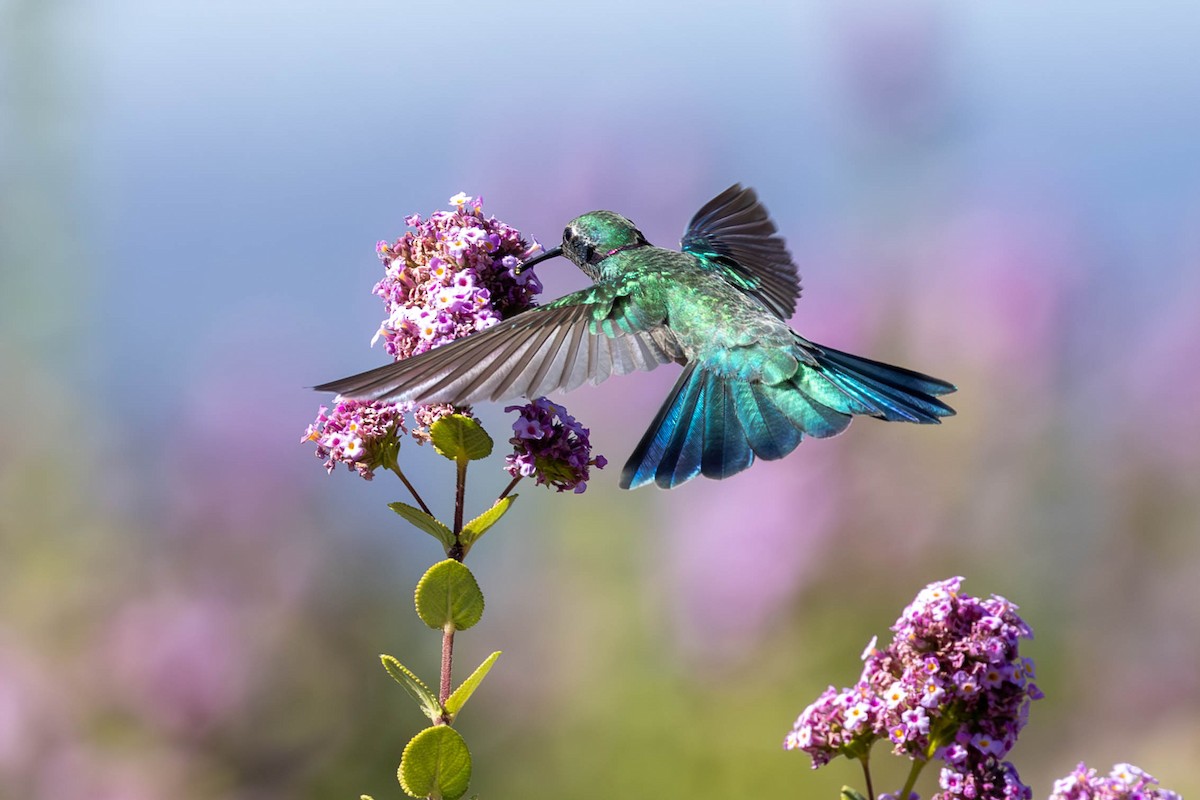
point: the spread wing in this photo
(732, 233)
(585, 336)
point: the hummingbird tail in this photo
(696, 430)
(716, 425)
(856, 385)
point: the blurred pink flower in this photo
(988, 290)
(180, 660)
(78, 771)
(30, 710)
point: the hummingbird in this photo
(751, 387)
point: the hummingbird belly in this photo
(729, 331)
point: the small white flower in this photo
(856, 715)
(1064, 785)
(804, 737)
(460, 199)
(446, 297)
(353, 448)
(1127, 774)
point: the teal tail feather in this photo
(716, 425)
(876, 389)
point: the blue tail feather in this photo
(875, 389)
(726, 451)
(806, 413)
(685, 447)
(642, 464)
(770, 433)
(896, 377)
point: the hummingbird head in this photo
(591, 238)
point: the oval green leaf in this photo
(436, 763)
(449, 595)
(460, 438)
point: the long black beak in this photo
(553, 252)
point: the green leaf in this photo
(447, 594)
(849, 793)
(460, 438)
(436, 763)
(458, 699)
(478, 526)
(425, 698)
(425, 522)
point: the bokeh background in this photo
(1003, 194)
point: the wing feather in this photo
(554, 347)
(734, 234)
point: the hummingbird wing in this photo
(585, 336)
(733, 234)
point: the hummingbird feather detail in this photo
(751, 386)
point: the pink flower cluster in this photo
(1124, 782)
(952, 685)
(450, 277)
(549, 443)
(363, 436)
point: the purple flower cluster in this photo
(550, 444)
(450, 277)
(1124, 782)
(987, 778)
(361, 435)
(957, 658)
(837, 723)
(951, 685)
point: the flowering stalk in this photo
(451, 276)
(952, 686)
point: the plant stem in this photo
(456, 552)
(447, 659)
(867, 778)
(411, 489)
(509, 488)
(459, 494)
(912, 778)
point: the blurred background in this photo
(1004, 195)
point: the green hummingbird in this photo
(751, 386)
